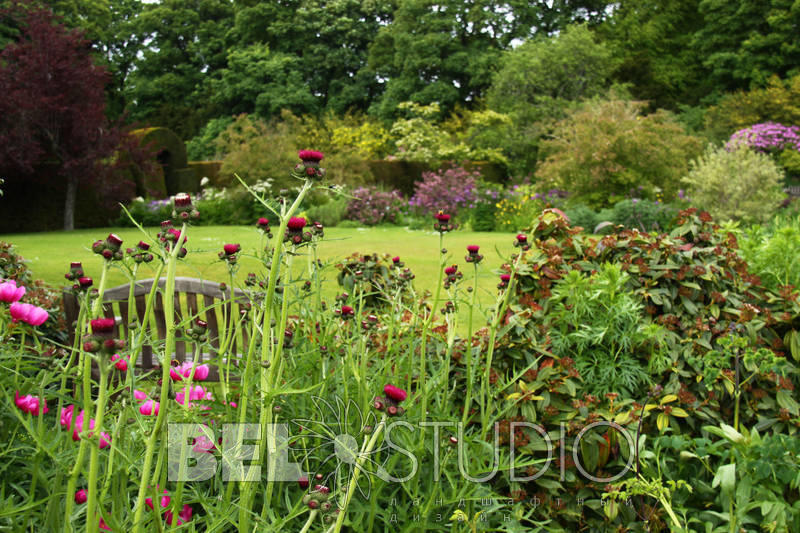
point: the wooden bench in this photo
(193, 298)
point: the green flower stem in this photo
(423, 365)
(94, 457)
(97, 308)
(112, 455)
(75, 350)
(311, 516)
(362, 457)
(468, 399)
(281, 338)
(169, 347)
(486, 398)
(269, 376)
(36, 463)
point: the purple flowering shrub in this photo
(447, 189)
(767, 137)
(370, 206)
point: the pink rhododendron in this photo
(10, 293)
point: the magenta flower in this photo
(30, 404)
(103, 326)
(195, 393)
(81, 497)
(10, 293)
(139, 396)
(164, 502)
(184, 370)
(231, 249)
(310, 155)
(85, 282)
(119, 362)
(66, 416)
(149, 408)
(105, 438)
(296, 223)
(203, 444)
(30, 314)
(473, 249)
(395, 393)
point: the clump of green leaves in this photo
(597, 321)
(736, 183)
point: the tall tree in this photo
(186, 44)
(446, 51)
(744, 42)
(653, 40)
(52, 113)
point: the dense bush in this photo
(449, 189)
(693, 312)
(483, 217)
(772, 251)
(735, 184)
(522, 203)
(329, 213)
(370, 205)
(606, 147)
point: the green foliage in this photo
(539, 81)
(329, 213)
(598, 322)
(735, 183)
(644, 215)
(581, 215)
(771, 251)
(257, 80)
(607, 147)
(657, 61)
(202, 147)
(12, 265)
(777, 102)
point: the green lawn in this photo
(49, 254)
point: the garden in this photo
(567, 304)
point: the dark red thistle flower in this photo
(143, 246)
(262, 223)
(473, 248)
(183, 200)
(395, 393)
(310, 155)
(451, 270)
(85, 283)
(231, 249)
(522, 238)
(347, 311)
(505, 278)
(442, 217)
(296, 223)
(396, 259)
(102, 326)
(75, 265)
(114, 240)
(303, 482)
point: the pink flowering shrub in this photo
(767, 137)
(371, 206)
(447, 189)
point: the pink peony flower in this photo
(202, 444)
(30, 314)
(30, 404)
(196, 393)
(10, 293)
(395, 393)
(164, 501)
(66, 416)
(80, 496)
(149, 408)
(139, 395)
(103, 526)
(184, 370)
(105, 438)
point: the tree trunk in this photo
(69, 203)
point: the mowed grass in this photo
(49, 254)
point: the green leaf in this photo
(725, 478)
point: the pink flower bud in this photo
(81, 497)
(395, 393)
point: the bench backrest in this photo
(193, 298)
